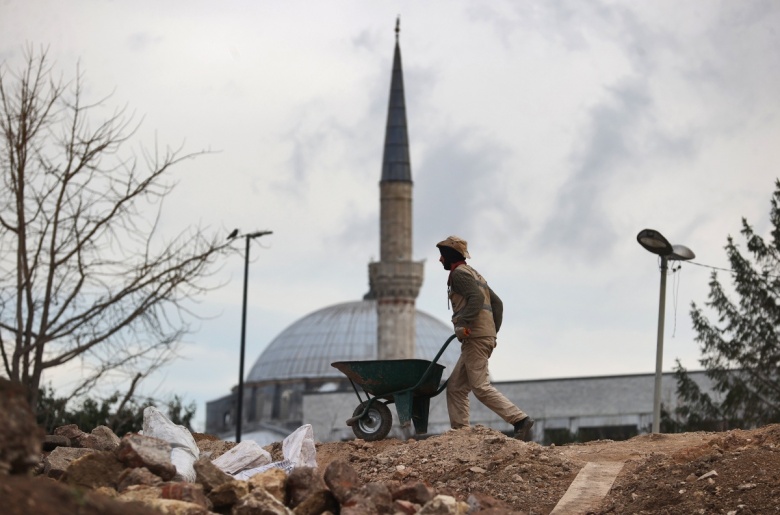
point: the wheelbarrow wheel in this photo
(376, 424)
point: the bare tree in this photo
(84, 274)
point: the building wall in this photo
(220, 415)
(555, 404)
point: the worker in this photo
(476, 316)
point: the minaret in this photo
(395, 280)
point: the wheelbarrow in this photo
(409, 383)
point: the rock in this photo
(415, 493)
(107, 491)
(101, 438)
(137, 476)
(342, 480)
(187, 492)
(378, 495)
(484, 504)
(144, 451)
(24, 495)
(95, 469)
(209, 475)
(70, 431)
(58, 461)
(303, 482)
(444, 505)
(228, 494)
(141, 493)
(51, 442)
(405, 507)
(401, 472)
(259, 502)
(20, 437)
(358, 505)
(273, 481)
(321, 501)
(709, 474)
(175, 507)
(308, 494)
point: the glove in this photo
(462, 333)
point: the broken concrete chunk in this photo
(95, 469)
(58, 460)
(342, 480)
(144, 451)
(209, 475)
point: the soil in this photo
(660, 476)
(734, 472)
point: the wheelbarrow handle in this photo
(430, 367)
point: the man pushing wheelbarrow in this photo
(410, 383)
(477, 313)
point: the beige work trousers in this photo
(470, 374)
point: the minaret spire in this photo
(395, 162)
(395, 280)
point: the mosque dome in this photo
(342, 332)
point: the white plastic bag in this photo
(245, 455)
(184, 450)
(298, 450)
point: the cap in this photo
(459, 244)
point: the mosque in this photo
(292, 382)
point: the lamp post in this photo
(240, 401)
(654, 241)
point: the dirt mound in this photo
(662, 473)
(733, 472)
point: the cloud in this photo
(143, 41)
(580, 216)
(459, 188)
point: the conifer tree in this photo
(740, 345)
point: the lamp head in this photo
(654, 241)
(681, 253)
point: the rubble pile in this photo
(138, 468)
(104, 473)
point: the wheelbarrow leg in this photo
(420, 409)
(413, 409)
(403, 405)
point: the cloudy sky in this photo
(548, 134)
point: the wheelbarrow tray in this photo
(409, 383)
(382, 378)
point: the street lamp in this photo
(240, 407)
(654, 241)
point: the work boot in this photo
(523, 427)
